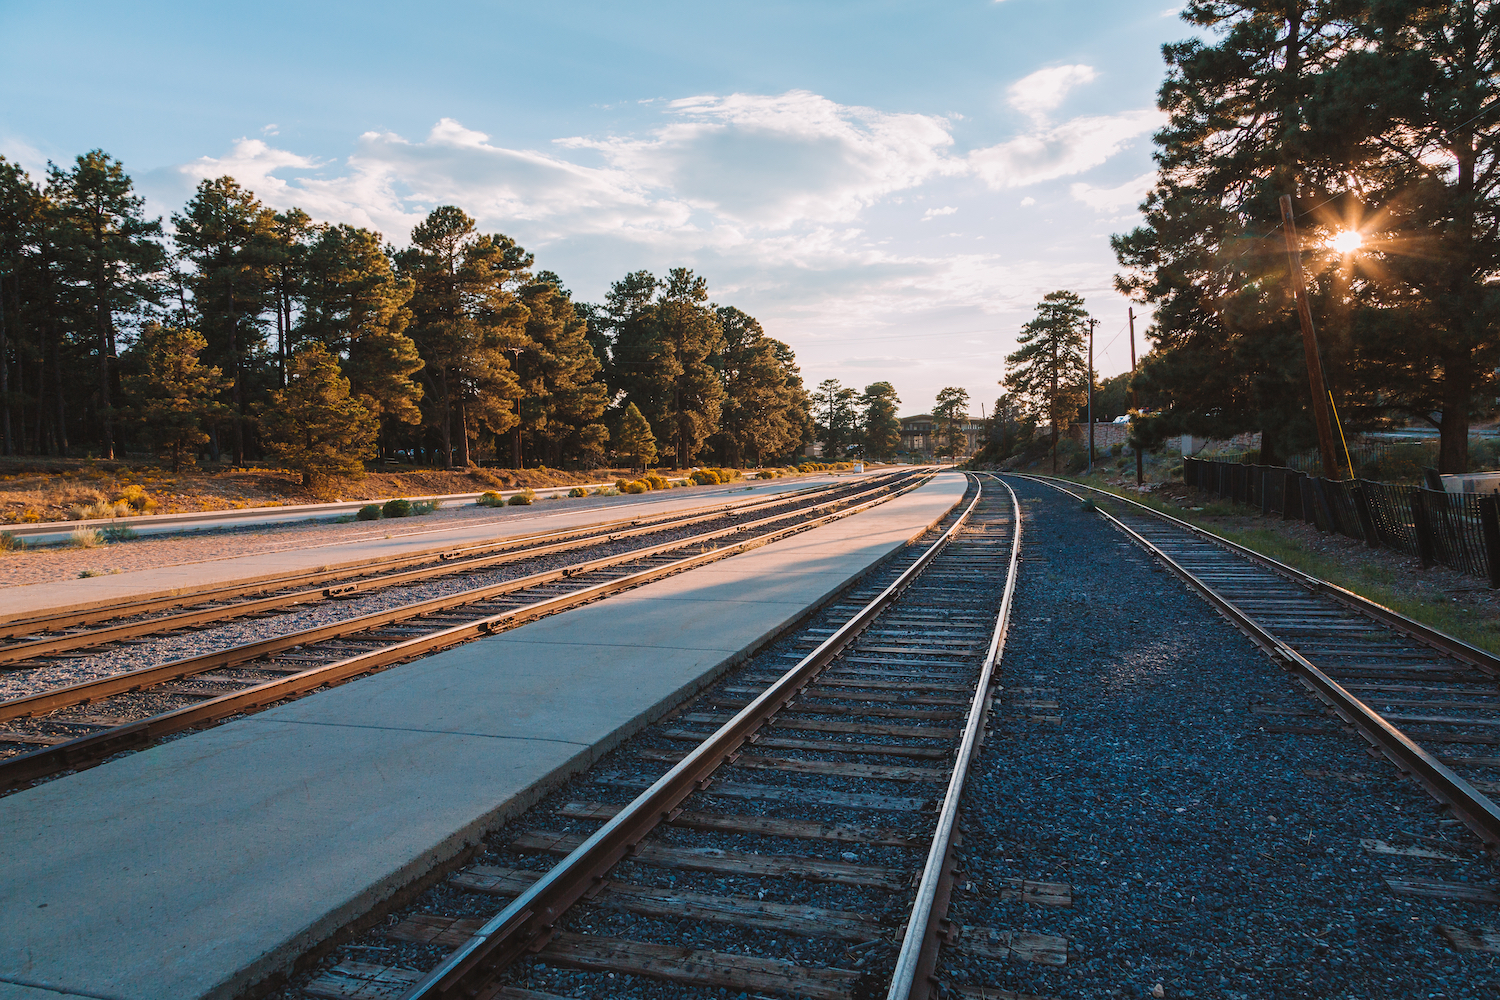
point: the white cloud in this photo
(1044, 90)
(1127, 195)
(1028, 201)
(778, 160)
(933, 213)
(1069, 148)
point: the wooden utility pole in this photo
(1135, 397)
(1092, 323)
(1309, 343)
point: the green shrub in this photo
(369, 512)
(489, 498)
(9, 542)
(607, 491)
(85, 538)
(525, 498)
(656, 481)
(136, 497)
(123, 533)
(400, 507)
(634, 486)
(1176, 472)
(424, 506)
(578, 491)
(704, 477)
(766, 474)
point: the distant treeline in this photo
(249, 333)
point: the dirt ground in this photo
(34, 490)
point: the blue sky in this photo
(889, 187)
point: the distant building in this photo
(919, 437)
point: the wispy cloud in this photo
(933, 213)
(1062, 150)
(1127, 195)
(1044, 90)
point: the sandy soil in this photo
(34, 489)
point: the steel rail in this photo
(926, 933)
(1469, 805)
(530, 920)
(1453, 646)
(448, 566)
(92, 748)
(13, 626)
(89, 691)
(925, 928)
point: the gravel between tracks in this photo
(1208, 856)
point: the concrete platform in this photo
(199, 867)
(490, 525)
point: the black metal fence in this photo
(1457, 530)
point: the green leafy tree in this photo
(315, 425)
(635, 440)
(1048, 374)
(110, 253)
(949, 415)
(765, 408)
(226, 234)
(882, 428)
(173, 392)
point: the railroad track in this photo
(800, 840)
(33, 638)
(78, 725)
(1427, 701)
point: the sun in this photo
(1345, 241)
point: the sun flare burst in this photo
(1345, 241)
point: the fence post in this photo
(1265, 490)
(1489, 524)
(1366, 518)
(1423, 528)
(1291, 495)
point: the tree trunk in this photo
(1269, 448)
(463, 435)
(4, 378)
(445, 421)
(1453, 429)
(234, 351)
(61, 434)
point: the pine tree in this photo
(882, 428)
(765, 408)
(354, 304)
(110, 254)
(562, 396)
(833, 404)
(314, 425)
(949, 414)
(466, 319)
(1049, 374)
(664, 335)
(635, 441)
(173, 393)
(226, 234)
